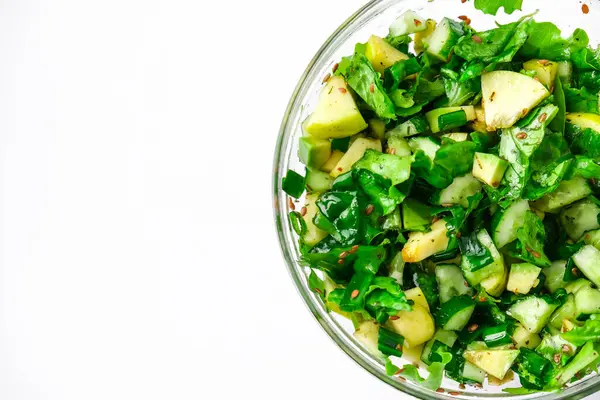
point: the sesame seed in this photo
(372, 88)
(326, 78)
(479, 386)
(454, 393)
(291, 204)
(476, 39)
(495, 184)
(369, 209)
(344, 254)
(335, 67)
(525, 111)
(399, 347)
(543, 117)
(342, 90)
(458, 235)
(466, 284)
(585, 8)
(482, 299)
(394, 317)
(354, 294)
(473, 328)
(353, 249)
(392, 151)
(440, 390)
(463, 1)
(492, 96)
(339, 169)
(465, 19)
(543, 62)
(521, 135)
(533, 253)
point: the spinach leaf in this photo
(491, 7)
(361, 77)
(476, 254)
(392, 167)
(581, 100)
(384, 298)
(534, 370)
(589, 332)
(585, 167)
(584, 142)
(545, 42)
(529, 245)
(399, 71)
(558, 123)
(339, 215)
(436, 372)
(487, 45)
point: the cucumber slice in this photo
(399, 146)
(567, 192)
(413, 126)
(444, 37)
(426, 144)
(587, 301)
(318, 181)
(567, 311)
(532, 312)
(522, 278)
(556, 349)
(441, 337)
(585, 357)
(506, 223)
(407, 23)
(554, 276)
(473, 373)
(580, 217)
(441, 119)
(454, 314)
(587, 260)
(451, 282)
(565, 71)
(593, 238)
(576, 285)
(459, 191)
(457, 136)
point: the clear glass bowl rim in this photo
(286, 238)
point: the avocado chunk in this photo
(312, 235)
(314, 152)
(355, 153)
(580, 217)
(444, 118)
(459, 191)
(494, 362)
(381, 54)
(489, 168)
(522, 278)
(545, 71)
(508, 96)
(336, 114)
(332, 161)
(415, 215)
(421, 245)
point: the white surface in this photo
(139, 257)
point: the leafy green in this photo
(365, 258)
(558, 123)
(546, 42)
(581, 100)
(385, 298)
(399, 71)
(492, 6)
(361, 77)
(529, 245)
(491, 43)
(293, 184)
(392, 167)
(316, 284)
(584, 142)
(475, 253)
(339, 215)
(533, 370)
(585, 167)
(590, 331)
(436, 372)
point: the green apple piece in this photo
(494, 362)
(522, 278)
(355, 153)
(336, 114)
(489, 168)
(381, 54)
(508, 96)
(545, 71)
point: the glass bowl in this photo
(375, 18)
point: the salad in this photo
(450, 205)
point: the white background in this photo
(139, 256)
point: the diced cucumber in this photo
(416, 216)
(459, 191)
(441, 119)
(413, 126)
(457, 136)
(444, 37)
(523, 338)
(494, 362)
(473, 373)
(554, 276)
(318, 181)
(493, 269)
(505, 223)
(567, 311)
(587, 301)
(399, 146)
(454, 314)
(445, 338)
(587, 260)
(567, 192)
(532, 312)
(495, 284)
(580, 217)
(576, 285)
(585, 357)
(522, 278)
(407, 23)
(426, 144)
(593, 238)
(451, 282)
(565, 71)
